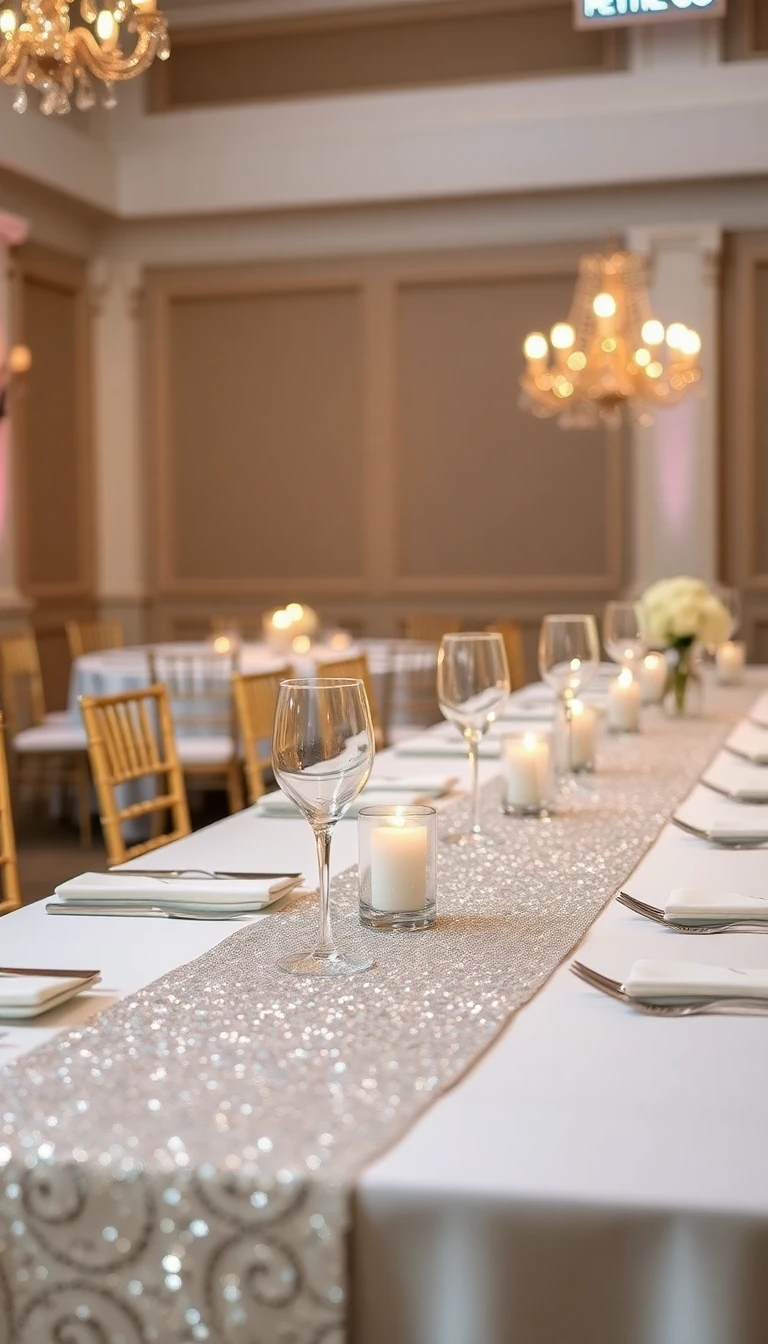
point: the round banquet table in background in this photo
(393, 664)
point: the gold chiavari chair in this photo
(429, 629)
(410, 689)
(132, 747)
(249, 628)
(359, 669)
(512, 636)
(255, 700)
(10, 897)
(47, 749)
(93, 636)
(199, 689)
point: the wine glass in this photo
(569, 656)
(623, 634)
(472, 687)
(322, 754)
(731, 600)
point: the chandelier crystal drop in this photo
(65, 61)
(612, 352)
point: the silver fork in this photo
(721, 926)
(615, 990)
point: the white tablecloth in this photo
(600, 1177)
(116, 671)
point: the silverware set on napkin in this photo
(717, 926)
(737, 924)
(615, 990)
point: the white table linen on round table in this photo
(117, 671)
(599, 1177)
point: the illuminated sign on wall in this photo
(589, 13)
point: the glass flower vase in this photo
(683, 696)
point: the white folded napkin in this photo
(279, 805)
(528, 709)
(689, 904)
(431, 744)
(744, 793)
(723, 831)
(237, 894)
(30, 995)
(682, 981)
(750, 741)
(432, 786)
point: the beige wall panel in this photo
(400, 47)
(52, 429)
(51, 439)
(265, 414)
(760, 418)
(746, 30)
(510, 497)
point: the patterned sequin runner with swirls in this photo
(181, 1169)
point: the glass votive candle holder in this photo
(398, 867)
(729, 660)
(653, 678)
(528, 762)
(577, 738)
(624, 701)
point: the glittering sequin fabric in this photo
(181, 1169)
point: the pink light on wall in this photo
(676, 464)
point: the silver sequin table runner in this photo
(181, 1169)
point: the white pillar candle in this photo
(527, 762)
(582, 736)
(399, 866)
(653, 678)
(624, 704)
(730, 663)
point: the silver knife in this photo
(144, 911)
(196, 874)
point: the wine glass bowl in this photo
(623, 634)
(473, 685)
(322, 756)
(569, 657)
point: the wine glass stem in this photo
(568, 734)
(473, 743)
(326, 946)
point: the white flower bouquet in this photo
(683, 611)
(677, 614)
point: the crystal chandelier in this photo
(40, 49)
(612, 352)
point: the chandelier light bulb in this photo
(655, 369)
(691, 343)
(577, 361)
(536, 346)
(652, 332)
(562, 336)
(676, 334)
(604, 305)
(642, 357)
(7, 21)
(20, 359)
(106, 28)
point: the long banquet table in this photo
(597, 1177)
